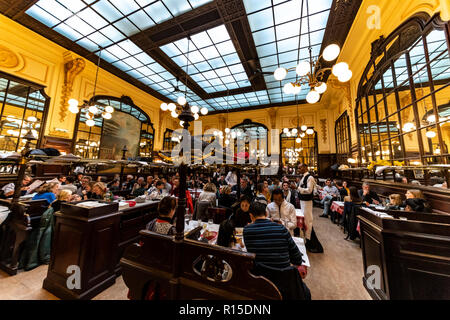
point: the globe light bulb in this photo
(297, 89)
(181, 123)
(298, 140)
(285, 130)
(227, 142)
(431, 134)
(346, 76)
(312, 96)
(196, 116)
(288, 134)
(171, 106)
(321, 88)
(195, 109)
(174, 114)
(431, 118)
(331, 52)
(181, 100)
(110, 109)
(280, 74)
(73, 102)
(106, 115)
(309, 131)
(339, 69)
(73, 109)
(31, 119)
(93, 109)
(227, 130)
(302, 135)
(90, 122)
(303, 68)
(233, 135)
(288, 88)
(303, 128)
(204, 111)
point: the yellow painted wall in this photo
(42, 62)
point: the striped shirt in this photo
(272, 244)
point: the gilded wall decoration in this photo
(72, 69)
(294, 122)
(8, 58)
(345, 87)
(323, 128)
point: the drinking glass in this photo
(210, 221)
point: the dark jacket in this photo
(418, 205)
(241, 218)
(227, 200)
(369, 197)
(287, 280)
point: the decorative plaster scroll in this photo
(8, 58)
(294, 122)
(72, 69)
(324, 128)
(345, 87)
(273, 117)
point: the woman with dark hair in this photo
(227, 236)
(163, 224)
(415, 201)
(242, 215)
(47, 192)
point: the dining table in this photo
(212, 227)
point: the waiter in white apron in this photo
(306, 194)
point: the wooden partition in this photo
(413, 256)
(438, 198)
(149, 266)
(23, 218)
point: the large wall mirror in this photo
(403, 104)
(299, 148)
(24, 106)
(129, 126)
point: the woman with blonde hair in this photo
(208, 193)
(48, 192)
(98, 190)
(226, 199)
(395, 202)
(63, 196)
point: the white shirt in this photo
(310, 185)
(287, 215)
(231, 178)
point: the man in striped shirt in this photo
(271, 242)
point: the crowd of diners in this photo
(265, 210)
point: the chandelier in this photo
(311, 73)
(90, 108)
(300, 131)
(176, 110)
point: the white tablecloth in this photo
(215, 227)
(299, 213)
(4, 211)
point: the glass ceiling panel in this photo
(79, 20)
(284, 33)
(213, 61)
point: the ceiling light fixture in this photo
(175, 110)
(311, 73)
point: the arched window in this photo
(107, 138)
(23, 105)
(253, 132)
(305, 150)
(402, 105)
(343, 138)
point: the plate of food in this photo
(209, 235)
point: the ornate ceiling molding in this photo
(72, 68)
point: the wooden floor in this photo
(334, 275)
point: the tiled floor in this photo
(336, 274)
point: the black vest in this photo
(305, 196)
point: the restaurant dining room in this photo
(224, 150)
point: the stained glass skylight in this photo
(249, 99)
(283, 32)
(213, 61)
